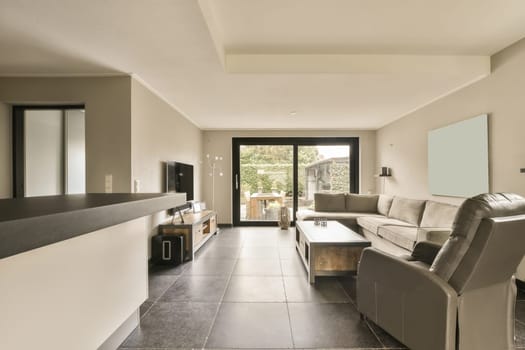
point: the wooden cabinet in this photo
(197, 229)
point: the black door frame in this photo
(353, 142)
(18, 147)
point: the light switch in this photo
(108, 183)
(136, 186)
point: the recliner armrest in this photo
(426, 251)
(407, 300)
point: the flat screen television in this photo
(179, 178)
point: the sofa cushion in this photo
(402, 236)
(347, 219)
(309, 214)
(438, 214)
(361, 203)
(383, 204)
(405, 209)
(330, 202)
(372, 223)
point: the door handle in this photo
(236, 181)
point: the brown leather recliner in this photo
(458, 296)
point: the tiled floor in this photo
(247, 289)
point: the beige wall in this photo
(108, 120)
(160, 133)
(5, 152)
(219, 142)
(402, 145)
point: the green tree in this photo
(271, 166)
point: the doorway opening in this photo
(49, 150)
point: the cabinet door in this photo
(213, 224)
(198, 234)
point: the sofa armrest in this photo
(426, 251)
(433, 234)
(407, 300)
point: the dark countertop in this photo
(29, 223)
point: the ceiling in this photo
(247, 64)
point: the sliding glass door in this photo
(270, 173)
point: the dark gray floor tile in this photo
(329, 326)
(259, 253)
(293, 267)
(175, 325)
(286, 241)
(258, 267)
(234, 241)
(218, 252)
(145, 307)
(251, 325)
(212, 267)
(385, 338)
(196, 288)
(121, 348)
(260, 241)
(287, 252)
(349, 284)
(158, 284)
(325, 290)
(166, 270)
(255, 289)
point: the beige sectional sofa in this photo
(392, 224)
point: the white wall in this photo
(219, 142)
(6, 183)
(402, 145)
(108, 119)
(75, 293)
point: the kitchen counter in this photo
(74, 268)
(33, 222)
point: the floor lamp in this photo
(213, 165)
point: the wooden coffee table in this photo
(330, 250)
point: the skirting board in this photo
(125, 329)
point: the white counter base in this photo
(76, 293)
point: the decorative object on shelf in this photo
(385, 171)
(180, 209)
(284, 218)
(214, 165)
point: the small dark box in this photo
(167, 249)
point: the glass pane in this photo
(75, 151)
(266, 178)
(43, 152)
(323, 169)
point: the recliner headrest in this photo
(466, 224)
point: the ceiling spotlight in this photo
(293, 113)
